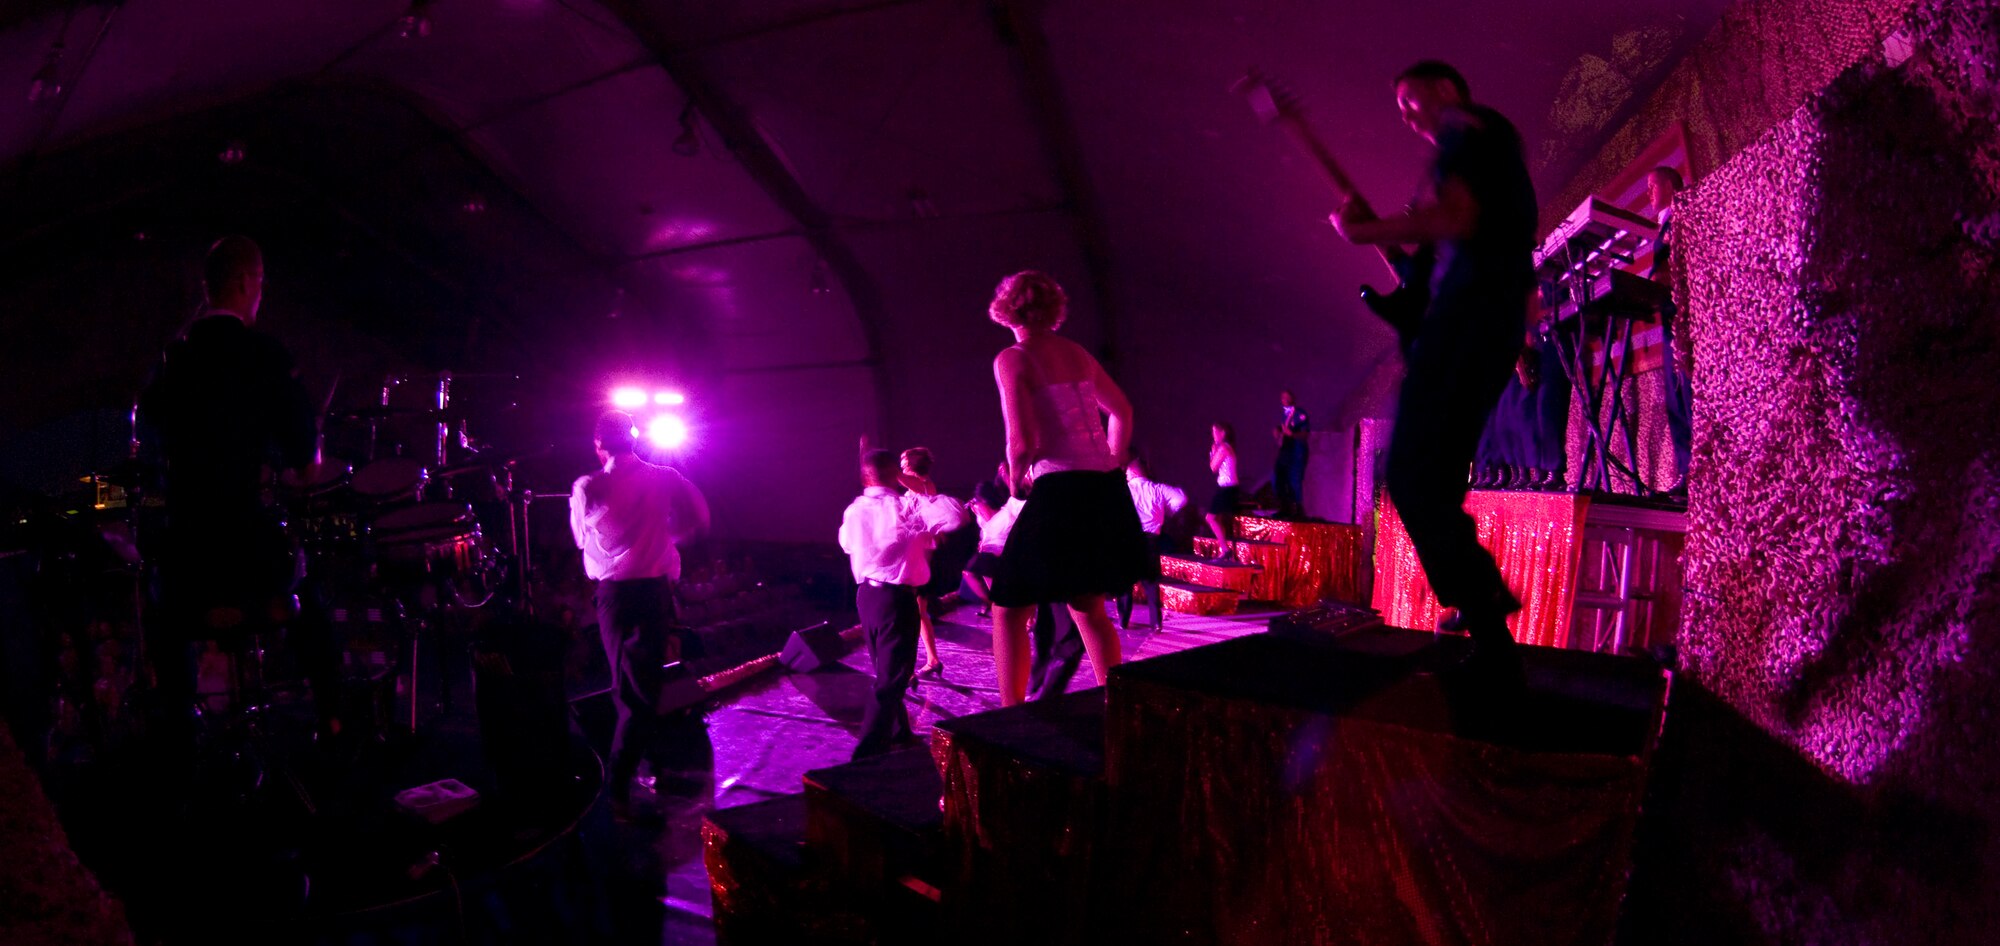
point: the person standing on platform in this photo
(1077, 539)
(1481, 216)
(1663, 184)
(1288, 477)
(916, 477)
(888, 538)
(228, 405)
(1222, 462)
(1156, 503)
(629, 518)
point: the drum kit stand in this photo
(423, 537)
(394, 545)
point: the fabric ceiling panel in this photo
(600, 161)
(164, 57)
(765, 304)
(909, 111)
(526, 51)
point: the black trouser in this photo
(1058, 652)
(1152, 586)
(889, 618)
(1288, 478)
(1458, 365)
(635, 620)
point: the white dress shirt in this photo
(993, 532)
(888, 538)
(628, 517)
(1155, 502)
(1225, 471)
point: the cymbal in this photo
(381, 412)
(491, 459)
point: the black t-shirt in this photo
(227, 404)
(1481, 148)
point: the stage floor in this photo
(768, 734)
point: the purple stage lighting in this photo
(667, 431)
(669, 398)
(628, 398)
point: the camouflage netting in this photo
(1844, 547)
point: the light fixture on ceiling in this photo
(474, 204)
(232, 153)
(47, 85)
(688, 143)
(818, 281)
(415, 23)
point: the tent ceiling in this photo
(866, 169)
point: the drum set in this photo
(395, 543)
(421, 527)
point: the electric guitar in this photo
(1402, 307)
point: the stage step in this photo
(1184, 598)
(876, 823)
(763, 879)
(1269, 558)
(1350, 780)
(1024, 806)
(1233, 576)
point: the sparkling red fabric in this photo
(1535, 537)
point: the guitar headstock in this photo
(1271, 99)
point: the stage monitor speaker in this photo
(811, 649)
(681, 690)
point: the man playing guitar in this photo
(1460, 349)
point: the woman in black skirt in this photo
(1068, 429)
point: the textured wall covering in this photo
(1752, 69)
(1839, 755)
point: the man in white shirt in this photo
(1156, 503)
(888, 537)
(628, 519)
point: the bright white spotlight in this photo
(669, 398)
(667, 431)
(628, 398)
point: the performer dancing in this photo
(1057, 645)
(1481, 217)
(1288, 476)
(1156, 503)
(629, 518)
(228, 405)
(888, 537)
(1077, 538)
(917, 465)
(994, 510)
(1222, 462)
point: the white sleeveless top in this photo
(1071, 426)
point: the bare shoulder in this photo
(1011, 362)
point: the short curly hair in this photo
(1029, 299)
(918, 460)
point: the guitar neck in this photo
(1335, 174)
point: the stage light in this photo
(628, 398)
(667, 431)
(669, 398)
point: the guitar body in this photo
(1403, 307)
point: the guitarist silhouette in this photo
(1460, 351)
(1401, 308)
